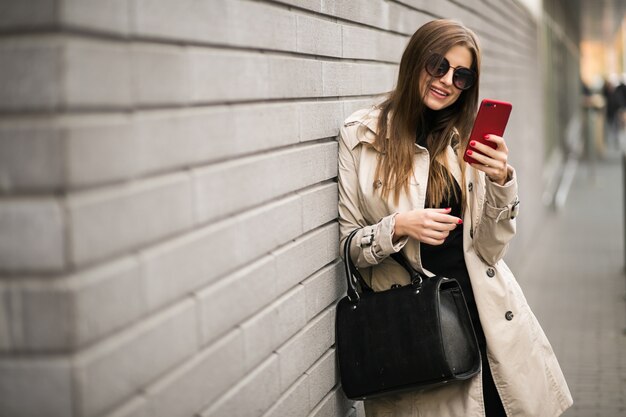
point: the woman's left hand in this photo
(492, 162)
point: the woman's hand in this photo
(494, 161)
(430, 226)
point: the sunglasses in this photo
(438, 66)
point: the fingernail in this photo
(469, 152)
(460, 221)
(473, 143)
(448, 208)
(486, 136)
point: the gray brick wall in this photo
(168, 204)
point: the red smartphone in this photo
(492, 118)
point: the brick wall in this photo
(168, 235)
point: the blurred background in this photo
(168, 196)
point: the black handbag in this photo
(408, 337)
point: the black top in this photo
(448, 259)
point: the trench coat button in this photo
(491, 272)
(470, 187)
(508, 315)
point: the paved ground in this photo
(574, 281)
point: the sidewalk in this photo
(574, 281)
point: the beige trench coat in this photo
(525, 369)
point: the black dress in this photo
(448, 260)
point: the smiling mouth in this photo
(439, 93)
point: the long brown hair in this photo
(404, 111)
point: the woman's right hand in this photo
(430, 226)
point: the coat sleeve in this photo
(373, 242)
(497, 225)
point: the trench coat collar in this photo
(369, 119)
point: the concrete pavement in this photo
(574, 281)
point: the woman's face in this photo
(442, 92)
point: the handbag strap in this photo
(353, 276)
(416, 276)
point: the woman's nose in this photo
(447, 77)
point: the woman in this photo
(404, 184)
